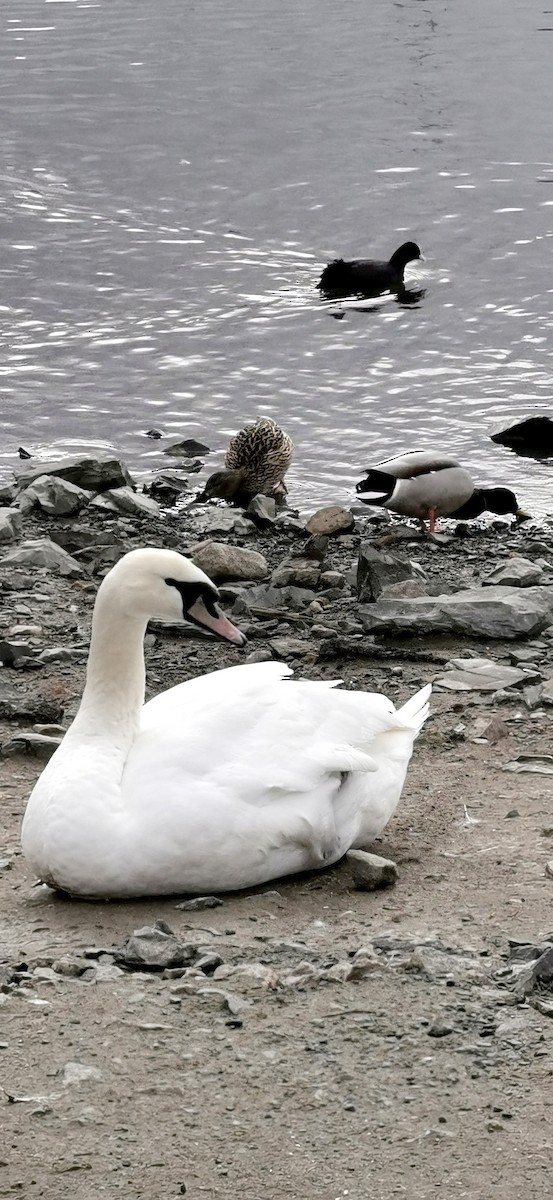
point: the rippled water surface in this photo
(174, 177)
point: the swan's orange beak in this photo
(217, 623)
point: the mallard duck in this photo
(498, 500)
(220, 783)
(256, 461)
(366, 276)
(418, 484)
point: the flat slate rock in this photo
(95, 474)
(479, 675)
(515, 572)
(491, 612)
(42, 552)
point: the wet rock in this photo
(515, 572)
(125, 500)
(54, 496)
(296, 572)
(15, 654)
(479, 674)
(376, 570)
(220, 560)
(370, 871)
(94, 474)
(533, 437)
(330, 520)
(154, 948)
(42, 552)
(10, 525)
(262, 510)
(491, 612)
(188, 448)
(167, 486)
(198, 903)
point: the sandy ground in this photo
(422, 1078)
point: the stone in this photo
(491, 612)
(333, 580)
(480, 675)
(10, 525)
(42, 552)
(539, 972)
(315, 547)
(405, 589)
(155, 948)
(370, 871)
(167, 486)
(38, 744)
(262, 510)
(220, 560)
(546, 695)
(214, 520)
(54, 496)
(267, 598)
(296, 571)
(289, 647)
(331, 520)
(94, 474)
(533, 436)
(14, 654)
(125, 500)
(376, 570)
(198, 903)
(76, 1073)
(188, 448)
(515, 572)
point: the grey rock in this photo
(370, 871)
(10, 525)
(220, 560)
(214, 520)
(125, 500)
(315, 547)
(547, 691)
(54, 496)
(530, 764)
(198, 903)
(289, 647)
(330, 520)
(42, 552)
(267, 598)
(333, 580)
(479, 674)
(492, 612)
(38, 744)
(94, 474)
(154, 948)
(24, 703)
(540, 972)
(406, 589)
(188, 448)
(76, 1073)
(14, 654)
(515, 572)
(376, 570)
(263, 510)
(296, 572)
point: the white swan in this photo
(220, 783)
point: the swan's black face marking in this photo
(190, 593)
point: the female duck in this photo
(220, 783)
(256, 461)
(366, 276)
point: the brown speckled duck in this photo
(256, 461)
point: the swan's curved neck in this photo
(115, 678)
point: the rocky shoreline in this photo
(437, 989)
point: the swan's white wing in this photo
(229, 682)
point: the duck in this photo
(500, 500)
(220, 783)
(427, 485)
(420, 483)
(366, 276)
(256, 461)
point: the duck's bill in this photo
(216, 622)
(522, 515)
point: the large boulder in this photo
(491, 612)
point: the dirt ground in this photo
(422, 1078)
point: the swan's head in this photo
(162, 585)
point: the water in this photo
(176, 174)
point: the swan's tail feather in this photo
(414, 712)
